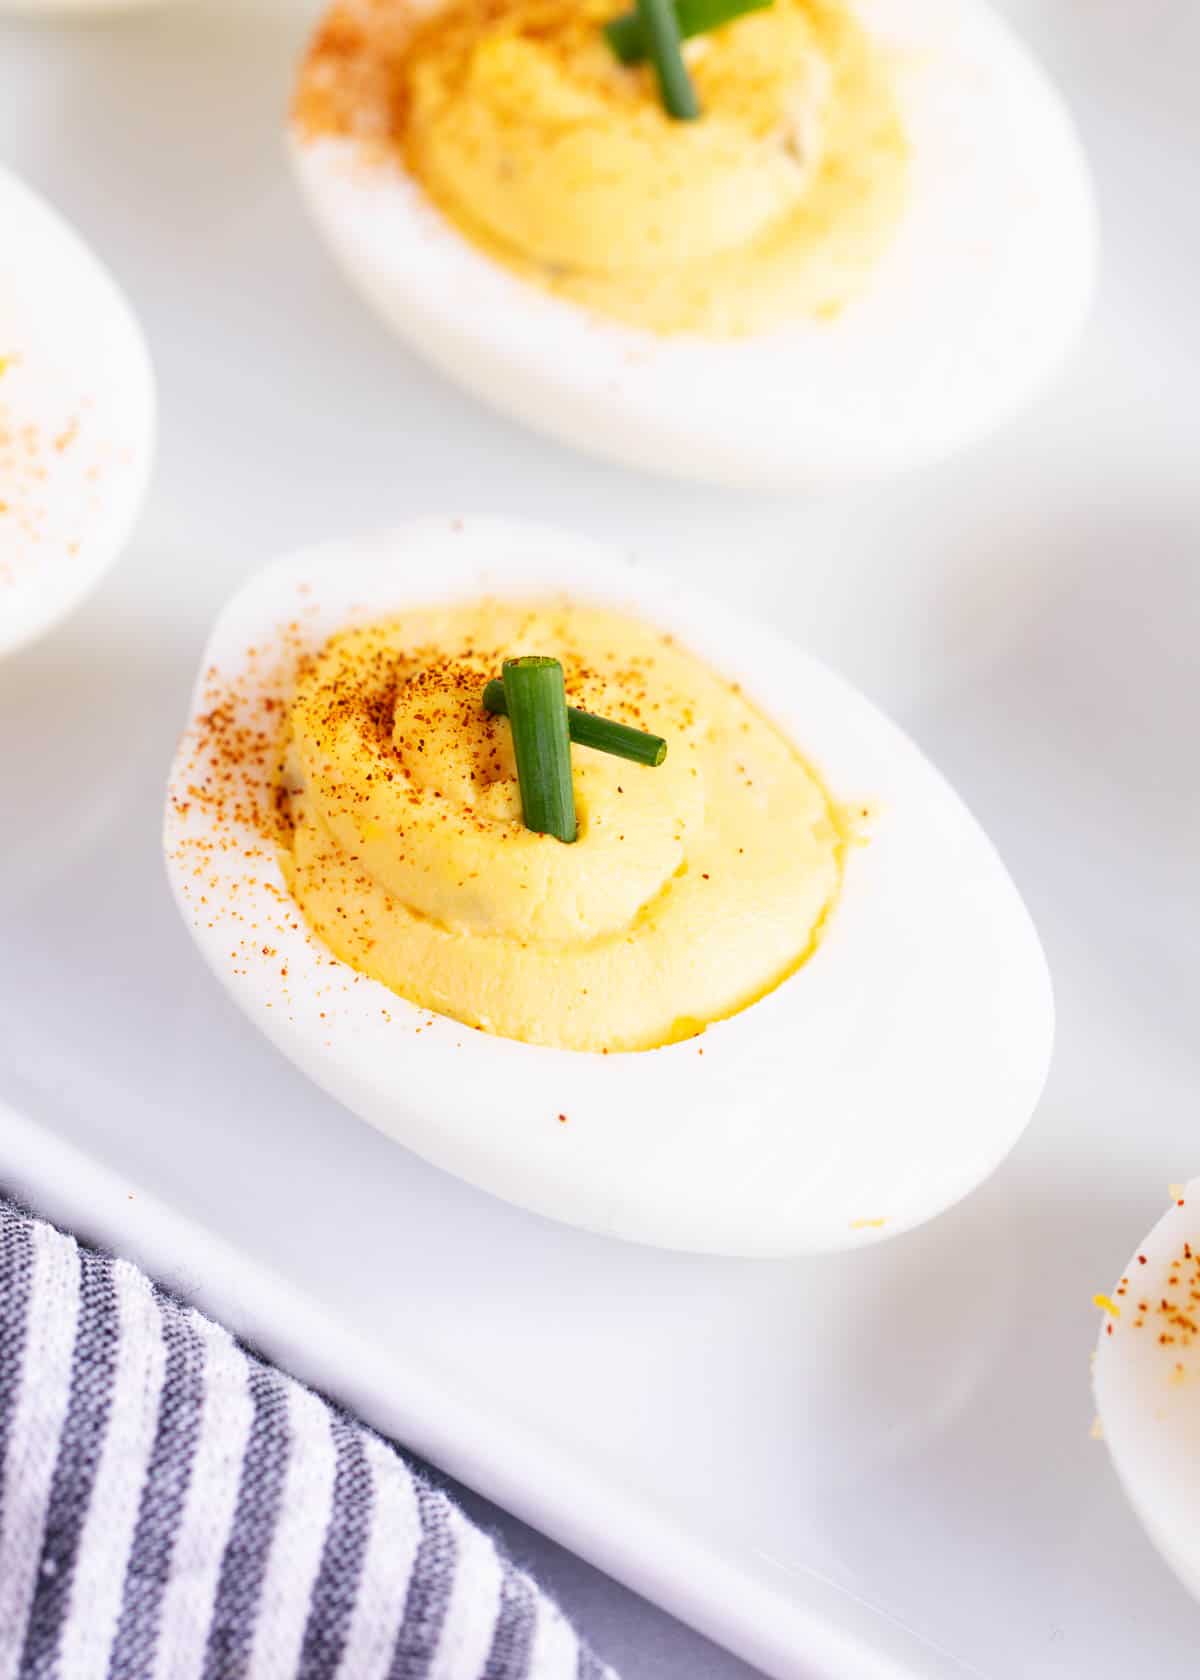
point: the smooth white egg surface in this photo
(873, 1088)
(75, 8)
(959, 324)
(77, 418)
(1147, 1383)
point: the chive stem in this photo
(695, 17)
(588, 730)
(537, 711)
(660, 30)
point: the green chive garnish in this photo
(588, 730)
(694, 17)
(660, 31)
(537, 711)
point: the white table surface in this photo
(1033, 610)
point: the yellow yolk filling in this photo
(692, 889)
(561, 163)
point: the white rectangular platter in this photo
(877, 1465)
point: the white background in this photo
(906, 1427)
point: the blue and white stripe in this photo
(171, 1508)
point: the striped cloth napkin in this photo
(173, 1508)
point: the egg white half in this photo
(1147, 1382)
(968, 313)
(868, 1092)
(77, 418)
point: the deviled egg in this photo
(870, 241)
(76, 418)
(1147, 1382)
(769, 990)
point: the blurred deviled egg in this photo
(816, 240)
(76, 418)
(1147, 1382)
(663, 930)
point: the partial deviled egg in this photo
(873, 245)
(778, 996)
(77, 418)
(1147, 1382)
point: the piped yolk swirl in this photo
(692, 887)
